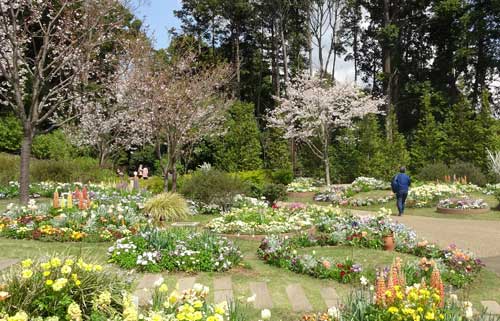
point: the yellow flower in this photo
(45, 265)
(441, 316)
(212, 318)
(163, 288)
(26, 263)
(74, 312)
(156, 317)
(198, 304)
(429, 316)
(46, 273)
(181, 316)
(393, 310)
(27, 274)
(69, 262)
(55, 262)
(104, 298)
(78, 282)
(130, 314)
(220, 308)
(197, 316)
(388, 293)
(97, 268)
(59, 284)
(66, 269)
(420, 309)
(19, 316)
(173, 298)
(49, 282)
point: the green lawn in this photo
(492, 215)
(253, 269)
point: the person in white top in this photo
(145, 173)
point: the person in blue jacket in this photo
(400, 186)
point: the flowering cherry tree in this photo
(49, 51)
(187, 102)
(113, 118)
(313, 108)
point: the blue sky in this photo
(159, 16)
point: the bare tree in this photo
(48, 53)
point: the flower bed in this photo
(366, 184)
(175, 249)
(259, 220)
(458, 267)
(98, 223)
(70, 289)
(344, 195)
(428, 195)
(304, 184)
(462, 206)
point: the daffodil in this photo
(26, 274)
(27, 263)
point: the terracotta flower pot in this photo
(389, 244)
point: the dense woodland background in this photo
(436, 62)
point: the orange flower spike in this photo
(80, 202)
(85, 193)
(390, 288)
(55, 202)
(380, 291)
(394, 275)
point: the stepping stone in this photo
(186, 283)
(491, 306)
(330, 297)
(142, 297)
(262, 297)
(185, 224)
(298, 298)
(4, 264)
(223, 289)
(148, 280)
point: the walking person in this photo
(145, 173)
(139, 171)
(400, 185)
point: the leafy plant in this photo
(212, 187)
(469, 170)
(434, 171)
(274, 192)
(166, 207)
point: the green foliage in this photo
(468, 134)
(345, 157)
(239, 149)
(145, 156)
(282, 176)
(274, 192)
(433, 171)
(54, 145)
(212, 187)
(166, 207)
(254, 180)
(429, 142)
(473, 173)
(153, 184)
(11, 134)
(276, 149)
(83, 169)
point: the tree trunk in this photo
(165, 180)
(174, 179)
(285, 57)
(237, 63)
(386, 54)
(24, 178)
(326, 159)
(274, 61)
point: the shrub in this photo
(274, 192)
(469, 170)
(254, 180)
(282, 176)
(435, 171)
(212, 187)
(166, 207)
(10, 134)
(83, 169)
(54, 145)
(154, 184)
(9, 168)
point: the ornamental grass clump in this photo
(166, 207)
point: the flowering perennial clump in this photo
(175, 250)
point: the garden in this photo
(242, 161)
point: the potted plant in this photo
(388, 239)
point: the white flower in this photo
(453, 297)
(159, 282)
(265, 314)
(469, 313)
(334, 312)
(364, 281)
(251, 299)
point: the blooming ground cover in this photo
(464, 203)
(175, 250)
(459, 268)
(253, 220)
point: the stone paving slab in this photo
(262, 296)
(491, 306)
(223, 295)
(4, 264)
(186, 283)
(147, 281)
(298, 298)
(330, 296)
(142, 297)
(185, 224)
(223, 283)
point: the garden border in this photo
(444, 210)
